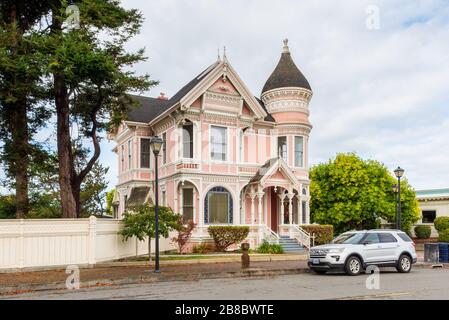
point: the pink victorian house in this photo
(229, 158)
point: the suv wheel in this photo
(353, 266)
(404, 264)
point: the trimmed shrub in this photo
(324, 233)
(224, 236)
(203, 248)
(443, 236)
(271, 248)
(423, 231)
(441, 223)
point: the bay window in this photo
(299, 151)
(282, 147)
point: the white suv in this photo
(354, 251)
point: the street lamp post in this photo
(156, 144)
(398, 172)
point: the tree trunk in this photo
(20, 142)
(65, 156)
(149, 249)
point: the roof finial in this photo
(225, 59)
(286, 49)
(218, 57)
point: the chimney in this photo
(162, 96)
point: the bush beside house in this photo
(324, 233)
(271, 248)
(423, 231)
(441, 223)
(225, 236)
(443, 235)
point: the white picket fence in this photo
(35, 243)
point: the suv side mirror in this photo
(366, 242)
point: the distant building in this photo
(433, 203)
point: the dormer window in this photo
(187, 140)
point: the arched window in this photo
(218, 206)
(187, 140)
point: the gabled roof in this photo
(149, 108)
(286, 74)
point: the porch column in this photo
(290, 196)
(259, 208)
(252, 196)
(299, 209)
(308, 211)
(282, 196)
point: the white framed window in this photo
(218, 143)
(145, 153)
(187, 140)
(282, 147)
(299, 151)
(130, 154)
(164, 198)
(164, 148)
(241, 155)
(218, 206)
(187, 204)
(123, 158)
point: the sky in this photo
(379, 70)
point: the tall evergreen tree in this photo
(21, 91)
(90, 79)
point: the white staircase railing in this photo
(270, 235)
(302, 236)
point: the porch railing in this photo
(302, 236)
(269, 235)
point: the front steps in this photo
(290, 245)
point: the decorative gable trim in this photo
(224, 70)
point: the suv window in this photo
(387, 237)
(404, 237)
(349, 238)
(372, 238)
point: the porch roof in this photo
(271, 167)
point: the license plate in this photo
(315, 261)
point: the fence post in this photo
(92, 239)
(21, 253)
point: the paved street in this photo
(419, 284)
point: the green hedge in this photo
(443, 236)
(273, 248)
(203, 248)
(224, 236)
(423, 231)
(441, 223)
(324, 233)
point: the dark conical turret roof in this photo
(286, 74)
